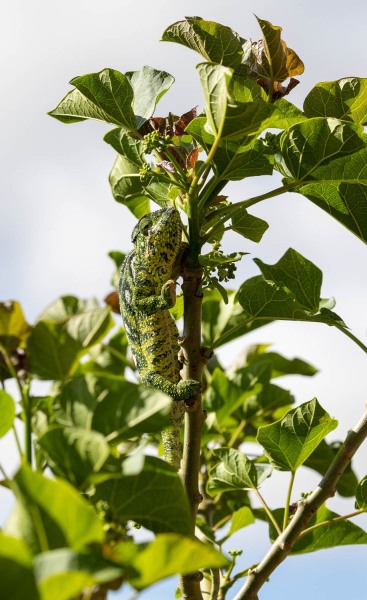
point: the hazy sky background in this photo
(58, 219)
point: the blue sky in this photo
(58, 219)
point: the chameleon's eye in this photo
(144, 226)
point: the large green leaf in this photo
(65, 331)
(326, 160)
(215, 42)
(279, 365)
(149, 85)
(64, 573)
(53, 353)
(302, 278)
(127, 188)
(14, 329)
(75, 107)
(337, 533)
(78, 400)
(51, 514)
(235, 471)
(290, 441)
(215, 80)
(288, 291)
(131, 411)
(150, 493)
(7, 412)
(111, 92)
(169, 554)
(344, 99)
(233, 159)
(74, 453)
(17, 581)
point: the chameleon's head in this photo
(157, 236)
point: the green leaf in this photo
(337, 533)
(111, 92)
(288, 292)
(130, 496)
(65, 307)
(52, 514)
(17, 580)
(361, 494)
(249, 226)
(75, 107)
(234, 159)
(70, 329)
(344, 99)
(170, 554)
(224, 396)
(290, 441)
(149, 85)
(127, 188)
(14, 329)
(78, 399)
(7, 412)
(74, 453)
(279, 365)
(241, 518)
(53, 353)
(235, 471)
(274, 60)
(297, 274)
(326, 161)
(65, 586)
(131, 411)
(215, 42)
(161, 192)
(215, 80)
(108, 360)
(63, 573)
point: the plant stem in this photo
(335, 520)
(306, 509)
(24, 395)
(288, 500)
(236, 433)
(268, 511)
(194, 417)
(17, 442)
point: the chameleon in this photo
(147, 290)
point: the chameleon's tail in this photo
(171, 436)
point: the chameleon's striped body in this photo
(147, 290)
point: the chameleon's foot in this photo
(206, 354)
(186, 389)
(169, 292)
(178, 391)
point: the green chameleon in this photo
(147, 291)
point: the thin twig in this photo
(306, 510)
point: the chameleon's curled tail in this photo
(171, 436)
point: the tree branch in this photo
(194, 417)
(306, 509)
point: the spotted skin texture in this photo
(147, 291)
